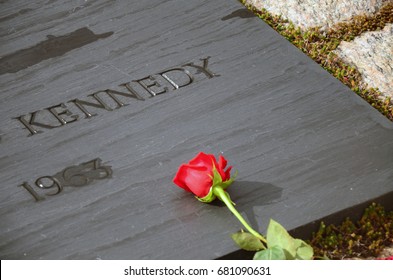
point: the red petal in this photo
(194, 179)
(227, 174)
(203, 159)
(179, 177)
(222, 162)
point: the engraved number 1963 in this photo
(77, 176)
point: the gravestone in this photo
(103, 100)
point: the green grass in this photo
(362, 239)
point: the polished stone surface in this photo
(196, 76)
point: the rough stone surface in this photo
(325, 13)
(372, 54)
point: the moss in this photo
(319, 45)
(363, 239)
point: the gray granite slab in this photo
(304, 145)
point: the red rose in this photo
(199, 175)
(208, 180)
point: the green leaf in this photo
(277, 236)
(217, 180)
(273, 253)
(247, 241)
(208, 198)
(303, 250)
(226, 184)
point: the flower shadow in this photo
(247, 195)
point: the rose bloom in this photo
(197, 175)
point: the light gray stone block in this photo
(372, 54)
(323, 13)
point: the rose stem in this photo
(219, 192)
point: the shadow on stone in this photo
(53, 46)
(241, 13)
(247, 195)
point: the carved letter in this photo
(148, 86)
(176, 86)
(63, 112)
(80, 104)
(203, 68)
(29, 123)
(132, 94)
